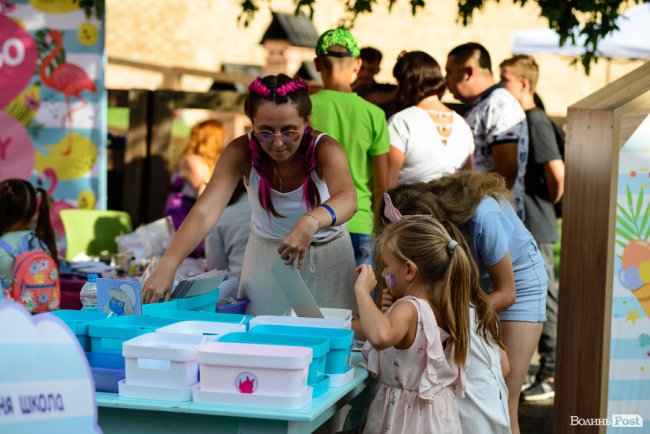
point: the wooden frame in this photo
(598, 126)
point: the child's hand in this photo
(366, 280)
(387, 299)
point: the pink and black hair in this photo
(282, 89)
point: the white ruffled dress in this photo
(416, 388)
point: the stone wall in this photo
(203, 34)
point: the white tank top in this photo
(291, 205)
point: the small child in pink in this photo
(419, 347)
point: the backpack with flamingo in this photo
(35, 282)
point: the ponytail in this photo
(44, 230)
(456, 295)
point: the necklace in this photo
(277, 179)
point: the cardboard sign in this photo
(119, 297)
(45, 382)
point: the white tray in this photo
(202, 328)
(340, 380)
(330, 323)
(154, 393)
(252, 400)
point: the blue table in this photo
(119, 415)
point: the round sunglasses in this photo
(267, 137)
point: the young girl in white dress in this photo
(419, 347)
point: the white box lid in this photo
(162, 346)
(254, 355)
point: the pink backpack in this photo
(35, 281)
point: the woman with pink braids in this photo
(300, 191)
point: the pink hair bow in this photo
(390, 212)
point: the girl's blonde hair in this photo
(439, 259)
(207, 141)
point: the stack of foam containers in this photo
(252, 375)
(161, 366)
(78, 321)
(337, 364)
(107, 336)
(316, 378)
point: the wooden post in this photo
(598, 126)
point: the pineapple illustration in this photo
(632, 233)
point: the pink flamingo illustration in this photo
(49, 175)
(67, 78)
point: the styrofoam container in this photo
(252, 400)
(191, 315)
(338, 357)
(320, 346)
(162, 360)
(77, 321)
(155, 393)
(249, 369)
(202, 328)
(340, 380)
(333, 313)
(331, 323)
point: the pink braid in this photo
(310, 193)
(261, 166)
(293, 86)
(259, 88)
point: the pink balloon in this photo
(16, 149)
(18, 55)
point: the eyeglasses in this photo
(267, 137)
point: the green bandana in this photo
(340, 37)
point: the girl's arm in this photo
(333, 164)
(395, 163)
(202, 218)
(382, 331)
(503, 283)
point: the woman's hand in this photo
(387, 299)
(295, 244)
(366, 280)
(159, 284)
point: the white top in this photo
(291, 205)
(427, 154)
(485, 407)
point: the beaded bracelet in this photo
(331, 211)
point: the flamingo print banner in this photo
(53, 101)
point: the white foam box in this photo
(162, 360)
(202, 328)
(251, 369)
(337, 320)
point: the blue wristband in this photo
(331, 211)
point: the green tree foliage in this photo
(571, 19)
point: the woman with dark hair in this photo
(300, 192)
(427, 138)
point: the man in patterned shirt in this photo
(497, 120)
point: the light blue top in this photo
(494, 230)
(14, 239)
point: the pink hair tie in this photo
(293, 86)
(259, 88)
(390, 212)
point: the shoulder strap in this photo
(6, 246)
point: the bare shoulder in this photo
(237, 154)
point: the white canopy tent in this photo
(631, 40)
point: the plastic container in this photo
(269, 376)
(239, 306)
(338, 358)
(77, 321)
(107, 336)
(162, 360)
(205, 302)
(202, 328)
(153, 309)
(320, 347)
(332, 323)
(88, 293)
(107, 370)
(190, 315)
